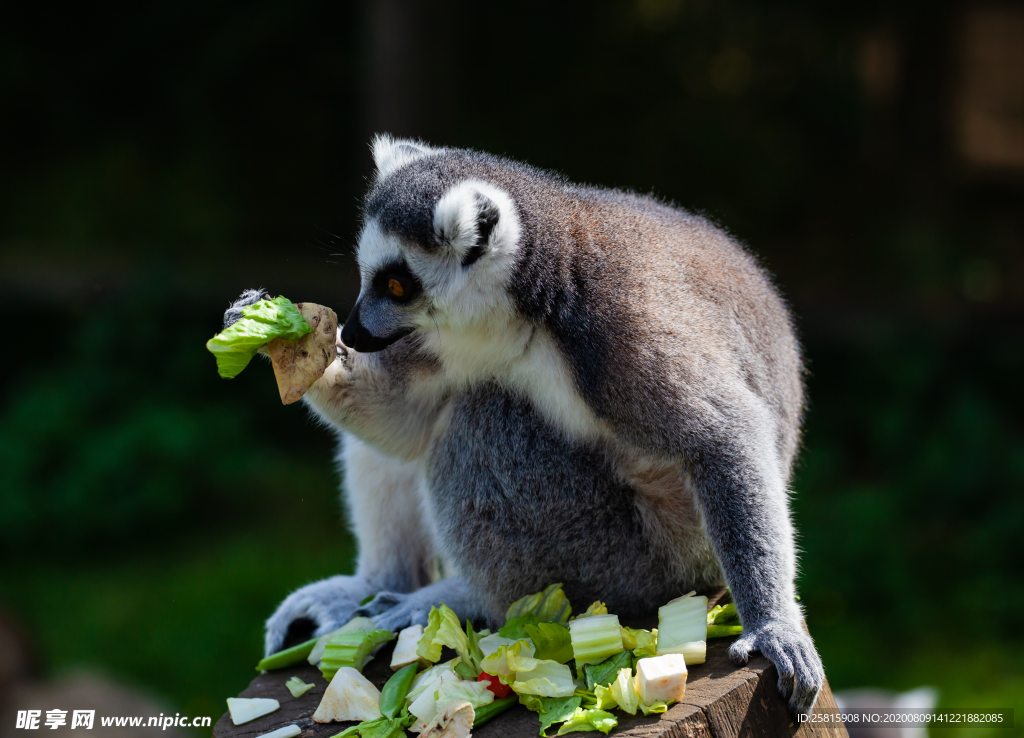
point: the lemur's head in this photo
(437, 245)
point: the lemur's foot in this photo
(247, 298)
(394, 610)
(791, 649)
(314, 610)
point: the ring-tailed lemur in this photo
(593, 388)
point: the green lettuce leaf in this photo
(382, 727)
(550, 606)
(584, 721)
(604, 673)
(545, 679)
(551, 710)
(515, 627)
(596, 608)
(443, 629)
(623, 691)
(642, 643)
(260, 323)
(473, 647)
(498, 663)
(551, 640)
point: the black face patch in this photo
(394, 281)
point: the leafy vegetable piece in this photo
(595, 638)
(551, 641)
(724, 631)
(584, 721)
(464, 670)
(473, 646)
(588, 698)
(287, 657)
(545, 679)
(596, 608)
(603, 698)
(683, 628)
(425, 705)
(392, 697)
(260, 323)
(297, 687)
(642, 643)
(552, 710)
(604, 673)
(623, 691)
(475, 693)
(497, 707)
(723, 615)
(382, 727)
(515, 628)
(443, 629)
(426, 679)
(498, 662)
(491, 643)
(351, 649)
(244, 709)
(550, 606)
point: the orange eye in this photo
(395, 288)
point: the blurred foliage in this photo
(160, 159)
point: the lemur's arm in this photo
(743, 500)
(365, 398)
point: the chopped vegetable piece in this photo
(260, 323)
(683, 628)
(596, 608)
(498, 662)
(662, 678)
(425, 705)
(497, 707)
(545, 679)
(382, 727)
(550, 606)
(349, 696)
(426, 679)
(350, 627)
(489, 644)
(724, 631)
(297, 687)
(287, 657)
(723, 615)
(475, 693)
(604, 673)
(300, 363)
(473, 646)
(443, 629)
(465, 671)
(351, 649)
(595, 638)
(288, 731)
(641, 642)
(455, 721)
(494, 684)
(551, 640)
(244, 709)
(583, 721)
(405, 650)
(515, 628)
(624, 692)
(551, 710)
(392, 697)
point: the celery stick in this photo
(724, 631)
(595, 638)
(683, 628)
(288, 657)
(351, 649)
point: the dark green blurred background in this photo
(156, 161)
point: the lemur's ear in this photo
(473, 218)
(391, 153)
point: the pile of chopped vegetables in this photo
(574, 672)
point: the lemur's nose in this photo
(357, 336)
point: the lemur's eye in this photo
(395, 287)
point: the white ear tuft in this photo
(474, 218)
(391, 153)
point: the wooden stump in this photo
(722, 701)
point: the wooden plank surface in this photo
(722, 701)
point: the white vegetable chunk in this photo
(425, 706)
(349, 696)
(288, 731)
(405, 648)
(661, 678)
(454, 721)
(244, 709)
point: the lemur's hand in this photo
(395, 610)
(247, 298)
(314, 610)
(790, 648)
